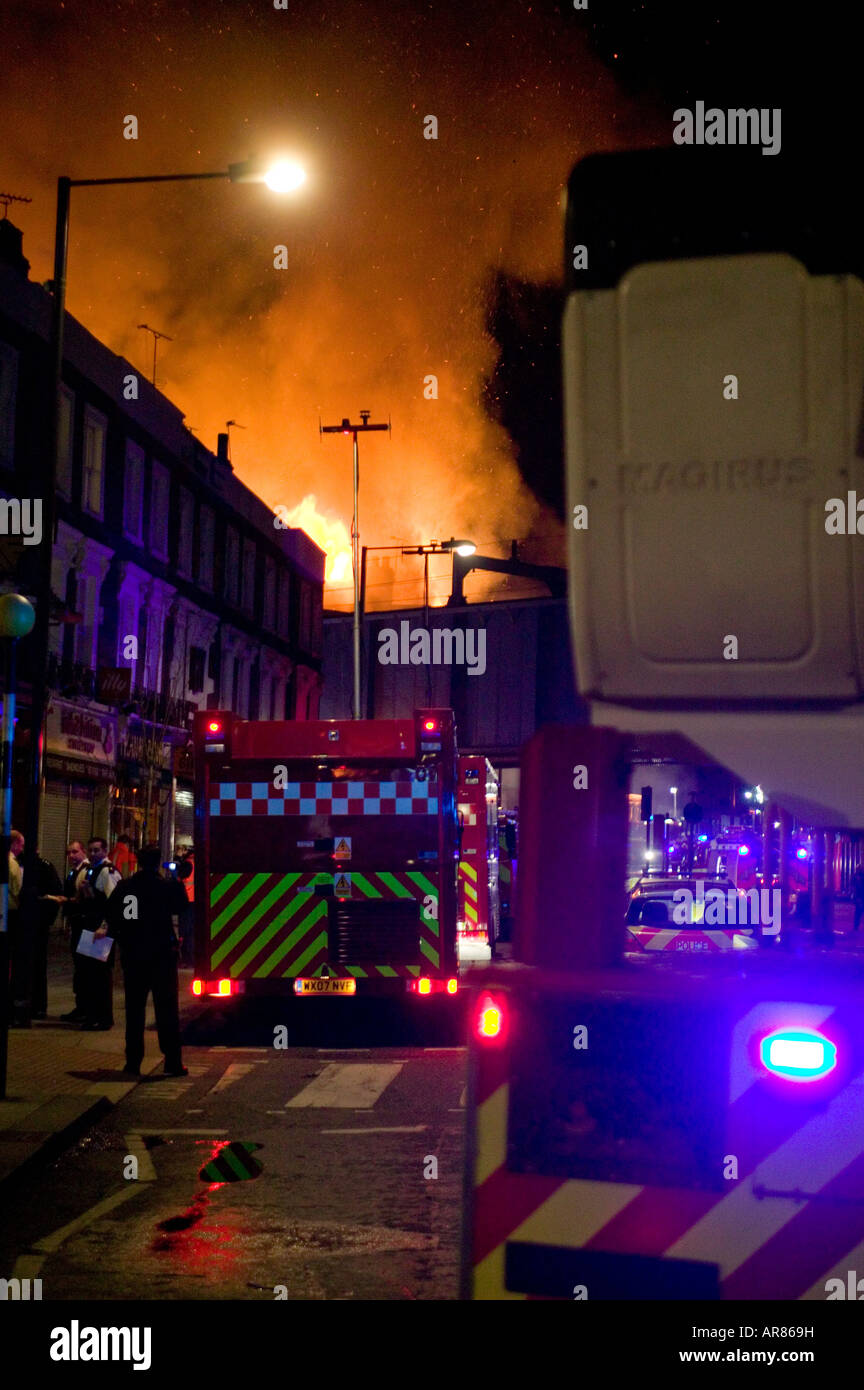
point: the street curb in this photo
(56, 1142)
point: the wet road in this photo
(358, 1194)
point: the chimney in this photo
(11, 252)
(222, 450)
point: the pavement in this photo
(60, 1081)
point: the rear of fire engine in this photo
(678, 1129)
(325, 856)
(477, 808)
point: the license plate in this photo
(307, 986)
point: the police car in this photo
(696, 913)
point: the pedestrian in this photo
(48, 899)
(123, 857)
(20, 938)
(97, 976)
(74, 913)
(186, 876)
(858, 895)
(144, 918)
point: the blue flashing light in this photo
(744, 849)
(801, 853)
(702, 839)
(797, 1055)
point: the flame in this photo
(330, 533)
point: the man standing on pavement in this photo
(48, 899)
(74, 915)
(143, 917)
(97, 976)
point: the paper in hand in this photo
(99, 949)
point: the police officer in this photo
(143, 916)
(97, 976)
(74, 913)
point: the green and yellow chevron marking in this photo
(468, 870)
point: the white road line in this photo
(137, 1147)
(48, 1244)
(194, 1112)
(383, 1129)
(346, 1086)
(233, 1073)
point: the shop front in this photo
(80, 771)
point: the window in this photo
(140, 677)
(247, 600)
(133, 492)
(160, 492)
(269, 611)
(66, 443)
(235, 687)
(93, 482)
(186, 537)
(306, 617)
(232, 565)
(205, 548)
(197, 658)
(8, 396)
(284, 625)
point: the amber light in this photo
(197, 986)
(489, 1021)
(424, 986)
(452, 986)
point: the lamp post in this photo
(284, 176)
(347, 428)
(16, 620)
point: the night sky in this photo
(394, 241)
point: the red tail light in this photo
(220, 988)
(214, 726)
(426, 984)
(430, 725)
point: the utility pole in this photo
(347, 428)
(156, 336)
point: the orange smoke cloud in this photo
(389, 244)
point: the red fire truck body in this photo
(325, 856)
(477, 806)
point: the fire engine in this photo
(325, 856)
(686, 1130)
(477, 806)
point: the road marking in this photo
(194, 1112)
(167, 1090)
(346, 1086)
(48, 1244)
(383, 1129)
(137, 1147)
(233, 1073)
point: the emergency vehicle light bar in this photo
(800, 1056)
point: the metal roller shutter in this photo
(55, 816)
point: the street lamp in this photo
(674, 793)
(281, 176)
(16, 620)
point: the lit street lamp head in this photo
(280, 176)
(463, 548)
